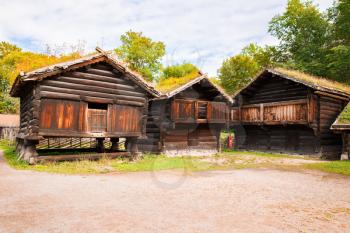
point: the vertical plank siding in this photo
(329, 111)
(218, 112)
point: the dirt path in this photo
(222, 201)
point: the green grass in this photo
(161, 162)
(11, 157)
(259, 154)
(344, 117)
(338, 167)
(223, 161)
(147, 163)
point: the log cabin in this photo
(187, 119)
(342, 126)
(289, 112)
(96, 96)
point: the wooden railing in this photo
(191, 111)
(285, 112)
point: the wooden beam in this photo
(332, 95)
(89, 156)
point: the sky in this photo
(203, 32)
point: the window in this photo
(97, 117)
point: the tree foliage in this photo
(7, 48)
(303, 32)
(177, 71)
(237, 71)
(342, 22)
(143, 54)
(12, 62)
(315, 42)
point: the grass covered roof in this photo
(312, 81)
(170, 84)
(343, 120)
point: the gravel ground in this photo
(173, 201)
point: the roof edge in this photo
(191, 83)
(51, 70)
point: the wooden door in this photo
(97, 120)
(125, 119)
(59, 114)
(183, 111)
(217, 112)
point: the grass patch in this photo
(260, 154)
(338, 167)
(11, 157)
(223, 161)
(161, 162)
(104, 165)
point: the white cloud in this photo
(201, 31)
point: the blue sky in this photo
(203, 32)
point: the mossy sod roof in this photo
(343, 120)
(171, 84)
(312, 81)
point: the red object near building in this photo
(229, 142)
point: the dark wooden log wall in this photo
(153, 142)
(273, 89)
(285, 139)
(346, 142)
(317, 115)
(177, 124)
(191, 137)
(331, 142)
(100, 83)
(64, 102)
(29, 112)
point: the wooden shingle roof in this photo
(100, 56)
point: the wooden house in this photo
(342, 126)
(9, 124)
(187, 119)
(91, 97)
(288, 111)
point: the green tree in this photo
(263, 56)
(339, 63)
(304, 34)
(7, 48)
(177, 71)
(338, 58)
(15, 61)
(342, 22)
(143, 54)
(237, 71)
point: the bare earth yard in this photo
(246, 200)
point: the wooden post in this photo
(262, 112)
(28, 151)
(99, 145)
(131, 147)
(218, 132)
(115, 144)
